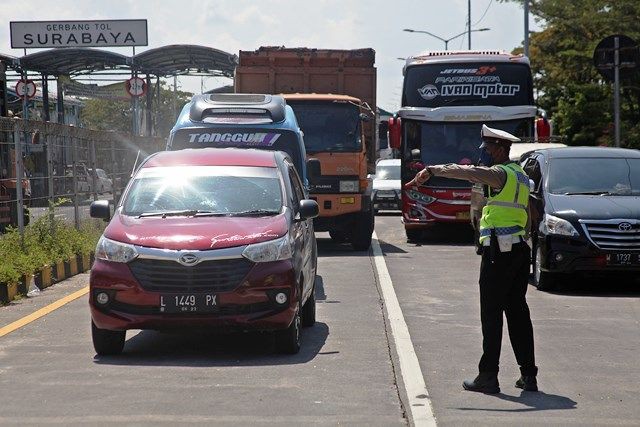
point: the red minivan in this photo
(214, 238)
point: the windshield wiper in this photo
(184, 212)
(589, 193)
(255, 212)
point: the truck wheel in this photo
(413, 234)
(338, 236)
(361, 237)
(106, 342)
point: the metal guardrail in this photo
(58, 165)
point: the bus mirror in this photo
(415, 155)
(395, 128)
(313, 169)
(365, 117)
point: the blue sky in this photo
(233, 25)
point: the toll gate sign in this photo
(105, 33)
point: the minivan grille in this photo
(614, 234)
(207, 276)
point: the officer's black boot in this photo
(527, 383)
(485, 382)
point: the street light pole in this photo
(446, 41)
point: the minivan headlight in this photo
(272, 250)
(110, 250)
(553, 225)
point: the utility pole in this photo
(469, 21)
(526, 28)
(616, 89)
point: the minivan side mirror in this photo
(308, 209)
(100, 209)
(313, 169)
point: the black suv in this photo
(585, 211)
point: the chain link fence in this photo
(63, 169)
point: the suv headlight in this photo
(272, 250)
(420, 197)
(349, 186)
(553, 225)
(110, 250)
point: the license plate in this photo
(188, 303)
(623, 259)
(462, 215)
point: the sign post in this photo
(617, 58)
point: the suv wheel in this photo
(288, 340)
(106, 342)
(542, 280)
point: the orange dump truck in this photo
(333, 94)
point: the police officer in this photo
(506, 257)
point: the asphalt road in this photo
(347, 373)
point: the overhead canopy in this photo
(183, 59)
(72, 61)
(163, 61)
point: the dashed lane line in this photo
(418, 407)
(42, 312)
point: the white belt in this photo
(514, 239)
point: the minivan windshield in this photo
(204, 190)
(594, 176)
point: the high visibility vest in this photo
(506, 212)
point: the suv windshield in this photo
(597, 176)
(328, 126)
(204, 190)
(388, 172)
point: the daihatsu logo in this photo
(624, 226)
(188, 259)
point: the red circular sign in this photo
(136, 86)
(26, 88)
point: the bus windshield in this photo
(328, 126)
(452, 142)
(470, 83)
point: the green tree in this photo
(104, 114)
(568, 85)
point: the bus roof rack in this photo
(230, 104)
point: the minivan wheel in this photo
(309, 310)
(288, 340)
(542, 280)
(106, 342)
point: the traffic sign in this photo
(136, 86)
(629, 57)
(26, 88)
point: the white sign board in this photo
(124, 32)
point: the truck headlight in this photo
(420, 197)
(349, 186)
(553, 225)
(272, 250)
(110, 250)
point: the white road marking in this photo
(419, 409)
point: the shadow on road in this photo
(449, 234)
(603, 285)
(539, 401)
(206, 349)
(329, 248)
